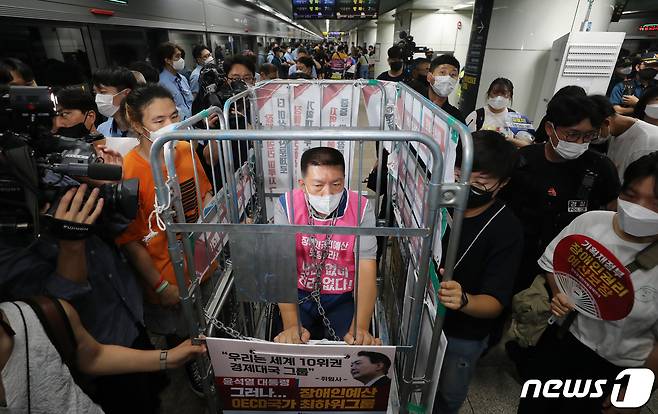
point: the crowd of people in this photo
(590, 167)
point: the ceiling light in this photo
(463, 6)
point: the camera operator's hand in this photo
(71, 259)
(170, 296)
(71, 207)
(109, 156)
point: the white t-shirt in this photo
(626, 342)
(639, 140)
(492, 121)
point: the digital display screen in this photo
(335, 9)
(357, 9)
(313, 9)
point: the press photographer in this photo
(73, 257)
(217, 84)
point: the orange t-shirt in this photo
(134, 166)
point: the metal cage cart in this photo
(254, 158)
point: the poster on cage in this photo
(411, 190)
(255, 376)
(209, 245)
(332, 105)
(373, 101)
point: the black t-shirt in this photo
(422, 87)
(454, 112)
(488, 268)
(546, 196)
(384, 76)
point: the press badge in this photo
(577, 206)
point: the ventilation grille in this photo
(590, 60)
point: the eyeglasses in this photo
(246, 79)
(575, 136)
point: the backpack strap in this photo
(479, 118)
(646, 259)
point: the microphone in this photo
(96, 171)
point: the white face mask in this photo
(651, 111)
(444, 85)
(179, 64)
(160, 131)
(636, 220)
(210, 59)
(498, 102)
(325, 204)
(105, 104)
(568, 150)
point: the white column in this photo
(385, 28)
(521, 35)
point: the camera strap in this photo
(66, 230)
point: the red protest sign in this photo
(596, 281)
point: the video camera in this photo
(36, 167)
(215, 88)
(409, 47)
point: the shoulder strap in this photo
(479, 118)
(589, 177)
(478, 235)
(646, 259)
(57, 326)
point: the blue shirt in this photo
(110, 128)
(194, 79)
(110, 302)
(180, 89)
(617, 94)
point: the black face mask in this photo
(75, 131)
(395, 66)
(478, 198)
(421, 78)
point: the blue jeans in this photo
(339, 310)
(456, 373)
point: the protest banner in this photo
(254, 376)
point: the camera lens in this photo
(127, 197)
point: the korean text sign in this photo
(264, 376)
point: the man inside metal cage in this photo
(326, 264)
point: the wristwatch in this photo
(464, 300)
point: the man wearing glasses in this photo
(558, 180)
(240, 68)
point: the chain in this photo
(255, 179)
(229, 330)
(318, 268)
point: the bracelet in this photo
(162, 287)
(159, 282)
(163, 360)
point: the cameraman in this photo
(94, 277)
(76, 114)
(240, 74)
(396, 73)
